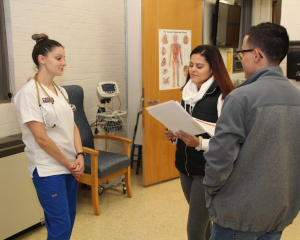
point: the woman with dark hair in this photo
(207, 85)
(53, 144)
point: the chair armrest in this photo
(90, 151)
(126, 141)
(94, 167)
(117, 138)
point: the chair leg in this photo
(128, 182)
(95, 198)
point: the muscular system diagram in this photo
(163, 62)
(165, 39)
(185, 70)
(166, 80)
(174, 57)
(175, 51)
(185, 39)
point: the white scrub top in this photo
(27, 107)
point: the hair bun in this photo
(40, 37)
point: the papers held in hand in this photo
(175, 117)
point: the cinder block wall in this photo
(93, 34)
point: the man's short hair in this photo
(272, 39)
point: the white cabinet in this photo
(19, 205)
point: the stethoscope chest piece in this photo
(73, 107)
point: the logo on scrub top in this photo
(54, 195)
(47, 100)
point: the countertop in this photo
(11, 145)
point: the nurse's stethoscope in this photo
(73, 107)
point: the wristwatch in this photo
(82, 153)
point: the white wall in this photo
(289, 19)
(93, 34)
(134, 62)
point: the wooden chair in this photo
(100, 166)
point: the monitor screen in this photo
(227, 25)
(108, 87)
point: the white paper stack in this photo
(175, 117)
(207, 126)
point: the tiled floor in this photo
(154, 212)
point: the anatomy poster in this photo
(174, 57)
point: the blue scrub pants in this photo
(58, 196)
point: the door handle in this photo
(153, 101)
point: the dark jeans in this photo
(220, 233)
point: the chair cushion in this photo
(108, 163)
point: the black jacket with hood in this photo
(189, 161)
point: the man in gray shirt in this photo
(252, 173)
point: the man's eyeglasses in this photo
(240, 54)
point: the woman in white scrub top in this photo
(53, 144)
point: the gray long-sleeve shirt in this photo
(252, 173)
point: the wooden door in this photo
(274, 12)
(159, 154)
